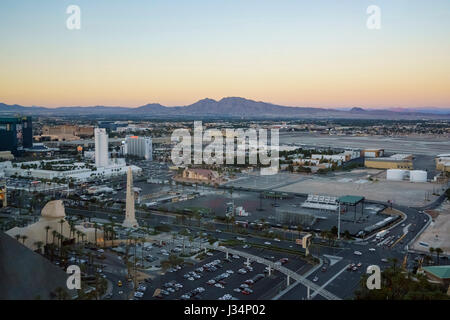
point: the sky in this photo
(311, 53)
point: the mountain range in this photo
(231, 107)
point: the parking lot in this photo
(219, 278)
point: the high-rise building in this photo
(16, 133)
(139, 146)
(130, 219)
(101, 148)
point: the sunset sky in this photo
(313, 53)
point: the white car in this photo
(357, 253)
(315, 279)
(209, 254)
(372, 249)
(230, 271)
(218, 285)
(277, 240)
(267, 243)
(191, 278)
(138, 294)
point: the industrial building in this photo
(16, 133)
(443, 162)
(139, 147)
(396, 161)
(400, 175)
(439, 274)
(372, 153)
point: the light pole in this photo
(339, 221)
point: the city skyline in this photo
(297, 53)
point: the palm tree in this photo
(299, 229)
(54, 233)
(24, 237)
(61, 222)
(61, 293)
(394, 262)
(47, 228)
(438, 252)
(39, 245)
(17, 236)
(95, 232)
(432, 250)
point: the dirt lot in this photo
(437, 235)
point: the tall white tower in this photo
(101, 148)
(130, 219)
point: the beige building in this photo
(443, 162)
(203, 175)
(67, 132)
(6, 155)
(52, 215)
(397, 161)
(372, 153)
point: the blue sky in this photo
(300, 53)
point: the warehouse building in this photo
(372, 153)
(443, 162)
(396, 161)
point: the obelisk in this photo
(130, 219)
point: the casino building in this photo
(16, 133)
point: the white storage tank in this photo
(418, 176)
(395, 174)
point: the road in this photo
(339, 282)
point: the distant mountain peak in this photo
(207, 100)
(230, 107)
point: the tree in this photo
(39, 245)
(54, 233)
(347, 234)
(397, 284)
(438, 252)
(334, 230)
(432, 250)
(61, 222)
(95, 232)
(299, 229)
(24, 237)
(61, 294)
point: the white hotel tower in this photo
(101, 148)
